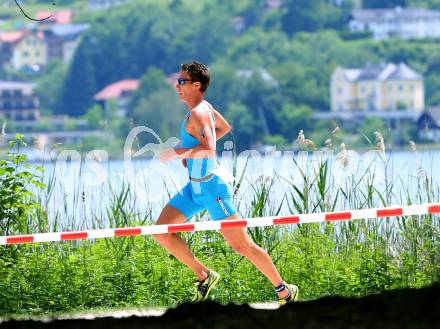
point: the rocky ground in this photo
(392, 310)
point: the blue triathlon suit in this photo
(212, 193)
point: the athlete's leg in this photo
(172, 241)
(242, 243)
(219, 203)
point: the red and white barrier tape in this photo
(224, 224)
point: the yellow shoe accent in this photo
(204, 287)
(291, 297)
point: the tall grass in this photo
(345, 258)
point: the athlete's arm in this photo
(222, 127)
(206, 148)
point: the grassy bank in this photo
(136, 272)
(355, 258)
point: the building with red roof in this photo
(24, 48)
(118, 93)
(11, 36)
(55, 17)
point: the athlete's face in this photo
(186, 88)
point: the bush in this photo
(17, 202)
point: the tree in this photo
(432, 85)
(434, 4)
(95, 116)
(49, 86)
(308, 16)
(292, 119)
(371, 125)
(383, 3)
(19, 205)
(124, 43)
(152, 81)
(244, 126)
(156, 106)
(80, 85)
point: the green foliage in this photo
(156, 105)
(352, 258)
(49, 86)
(293, 119)
(80, 85)
(432, 85)
(43, 125)
(138, 36)
(308, 16)
(322, 132)
(17, 201)
(277, 140)
(434, 4)
(71, 277)
(372, 125)
(384, 4)
(95, 116)
(244, 125)
(139, 39)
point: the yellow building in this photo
(23, 49)
(385, 88)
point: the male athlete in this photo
(206, 189)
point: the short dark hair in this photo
(198, 72)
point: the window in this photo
(339, 90)
(390, 87)
(25, 54)
(400, 87)
(411, 87)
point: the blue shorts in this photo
(214, 195)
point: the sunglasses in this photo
(182, 81)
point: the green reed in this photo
(345, 258)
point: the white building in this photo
(63, 39)
(401, 22)
(18, 101)
(104, 4)
(117, 94)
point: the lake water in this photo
(84, 189)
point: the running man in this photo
(200, 130)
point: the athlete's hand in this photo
(167, 155)
(184, 163)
